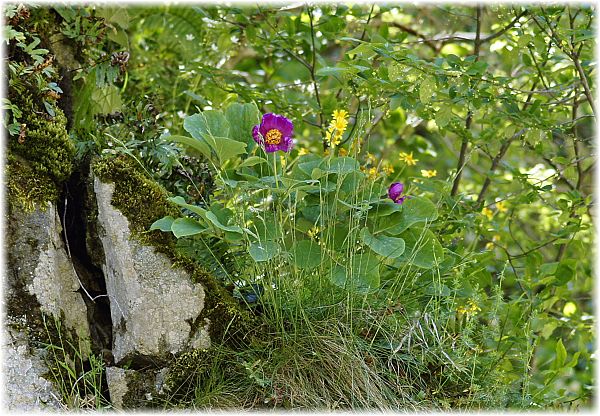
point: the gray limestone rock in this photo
(41, 272)
(25, 387)
(153, 304)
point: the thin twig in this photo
(465, 141)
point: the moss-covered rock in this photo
(143, 201)
(45, 143)
(28, 189)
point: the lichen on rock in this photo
(154, 301)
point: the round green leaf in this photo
(385, 246)
(263, 251)
(361, 277)
(414, 210)
(422, 248)
(307, 254)
(182, 227)
(164, 224)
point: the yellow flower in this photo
(372, 173)
(340, 114)
(388, 170)
(337, 127)
(313, 232)
(428, 173)
(495, 239)
(488, 213)
(282, 160)
(303, 151)
(470, 309)
(342, 152)
(501, 206)
(408, 158)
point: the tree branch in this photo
(465, 141)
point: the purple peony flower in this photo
(274, 133)
(395, 192)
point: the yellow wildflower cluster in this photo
(495, 239)
(470, 309)
(337, 127)
(313, 233)
(488, 213)
(371, 173)
(501, 206)
(342, 152)
(388, 170)
(408, 158)
(303, 151)
(428, 173)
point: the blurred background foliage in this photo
(495, 104)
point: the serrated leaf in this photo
(443, 116)
(426, 90)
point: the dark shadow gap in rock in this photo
(77, 217)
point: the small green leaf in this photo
(561, 355)
(443, 116)
(426, 90)
(385, 246)
(263, 251)
(164, 224)
(182, 227)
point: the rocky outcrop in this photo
(41, 281)
(41, 277)
(117, 291)
(24, 368)
(154, 307)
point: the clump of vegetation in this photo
(399, 196)
(78, 375)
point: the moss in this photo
(45, 143)
(40, 160)
(143, 201)
(28, 189)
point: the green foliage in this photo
(474, 291)
(77, 374)
(496, 255)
